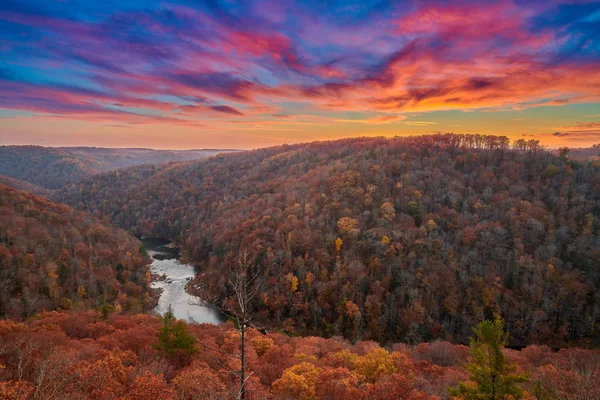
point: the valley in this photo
(382, 224)
(300, 200)
(55, 167)
(366, 263)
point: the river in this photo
(185, 306)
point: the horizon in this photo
(544, 147)
(185, 75)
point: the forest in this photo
(83, 355)
(55, 167)
(55, 257)
(407, 239)
(368, 268)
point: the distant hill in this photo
(55, 167)
(26, 186)
(54, 257)
(585, 153)
(403, 239)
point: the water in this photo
(185, 306)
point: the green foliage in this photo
(491, 376)
(174, 337)
(143, 251)
(106, 309)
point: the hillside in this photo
(26, 186)
(403, 239)
(55, 167)
(83, 356)
(52, 257)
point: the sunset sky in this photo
(198, 74)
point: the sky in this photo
(247, 74)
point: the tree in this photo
(491, 376)
(244, 285)
(298, 382)
(149, 386)
(174, 337)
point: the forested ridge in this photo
(403, 239)
(55, 167)
(23, 185)
(55, 257)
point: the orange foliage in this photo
(78, 355)
(150, 386)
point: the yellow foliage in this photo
(387, 210)
(374, 364)
(338, 244)
(370, 366)
(294, 286)
(298, 382)
(385, 240)
(346, 357)
(262, 344)
(348, 227)
(431, 225)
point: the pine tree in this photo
(174, 337)
(492, 377)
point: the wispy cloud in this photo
(420, 123)
(255, 62)
(380, 119)
(580, 131)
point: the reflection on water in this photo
(166, 261)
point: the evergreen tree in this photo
(492, 377)
(174, 337)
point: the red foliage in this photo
(47, 356)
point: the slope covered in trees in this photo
(26, 186)
(83, 355)
(55, 167)
(402, 239)
(52, 256)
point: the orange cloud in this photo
(381, 119)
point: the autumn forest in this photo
(441, 266)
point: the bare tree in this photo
(243, 286)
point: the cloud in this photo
(583, 126)
(381, 119)
(226, 110)
(580, 131)
(183, 62)
(420, 123)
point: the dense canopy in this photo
(53, 168)
(52, 257)
(385, 239)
